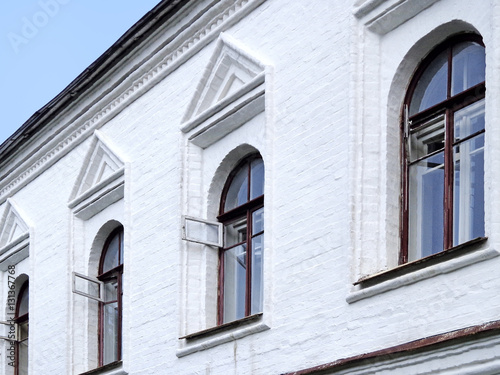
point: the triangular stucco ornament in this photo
(101, 173)
(13, 227)
(232, 81)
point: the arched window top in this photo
(245, 184)
(452, 68)
(23, 301)
(112, 255)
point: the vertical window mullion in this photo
(119, 300)
(220, 291)
(248, 286)
(248, 289)
(448, 181)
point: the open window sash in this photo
(15, 334)
(202, 231)
(87, 286)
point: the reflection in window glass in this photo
(469, 120)
(426, 206)
(235, 232)
(468, 157)
(427, 139)
(234, 283)
(468, 66)
(257, 178)
(257, 291)
(110, 333)
(114, 249)
(431, 87)
(238, 191)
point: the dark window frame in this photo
(109, 275)
(244, 210)
(448, 107)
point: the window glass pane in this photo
(22, 348)
(432, 85)
(256, 178)
(23, 302)
(120, 235)
(235, 232)
(469, 120)
(257, 290)
(258, 221)
(426, 189)
(468, 199)
(110, 333)
(87, 287)
(234, 283)
(23, 331)
(468, 66)
(111, 257)
(238, 191)
(427, 138)
(111, 290)
(200, 231)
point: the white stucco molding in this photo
(219, 338)
(197, 34)
(14, 236)
(382, 16)
(230, 93)
(101, 180)
(422, 274)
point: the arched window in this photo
(443, 131)
(22, 322)
(110, 309)
(240, 260)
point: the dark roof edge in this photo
(131, 39)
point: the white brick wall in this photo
(329, 138)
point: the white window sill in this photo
(215, 336)
(113, 368)
(410, 273)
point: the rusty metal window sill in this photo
(450, 260)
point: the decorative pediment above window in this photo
(14, 237)
(101, 179)
(230, 93)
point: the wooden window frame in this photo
(445, 108)
(243, 211)
(114, 273)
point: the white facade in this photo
(151, 134)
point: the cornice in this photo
(180, 49)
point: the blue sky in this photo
(45, 44)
